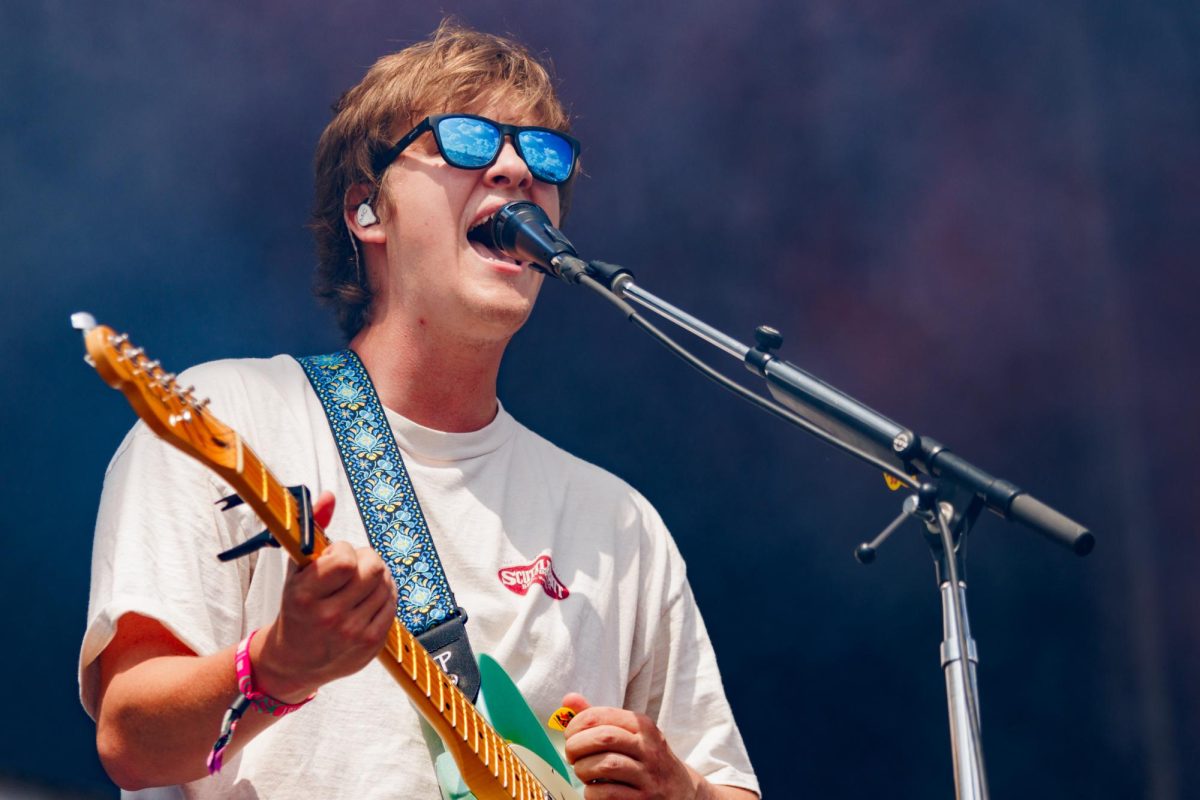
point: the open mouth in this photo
(484, 243)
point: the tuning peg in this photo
(175, 419)
(82, 321)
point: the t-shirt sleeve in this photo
(678, 685)
(158, 533)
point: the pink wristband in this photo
(261, 700)
(247, 697)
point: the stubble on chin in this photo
(486, 321)
(497, 323)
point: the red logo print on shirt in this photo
(519, 579)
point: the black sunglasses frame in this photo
(430, 123)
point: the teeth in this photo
(481, 232)
(481, 223)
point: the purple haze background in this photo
(980, 219)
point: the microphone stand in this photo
(947, 497)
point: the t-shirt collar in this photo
(428, 444)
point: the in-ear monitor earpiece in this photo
(365, 216)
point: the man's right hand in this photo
(333, 619)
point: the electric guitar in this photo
(490, 762)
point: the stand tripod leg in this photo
(947, 522)
(947, 525)
(957, 669)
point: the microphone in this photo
(522, 230)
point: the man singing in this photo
(569, 578)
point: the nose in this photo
(509, 169)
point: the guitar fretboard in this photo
(476, 733)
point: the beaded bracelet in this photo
(247, 697)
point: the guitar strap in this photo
(392, 514)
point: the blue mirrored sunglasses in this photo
(467, 141)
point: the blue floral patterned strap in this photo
(386, 500)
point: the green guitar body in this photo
(505, 708)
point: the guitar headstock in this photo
(172, 411)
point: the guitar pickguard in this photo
(505, 708)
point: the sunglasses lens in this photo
(468, 143)
(550, 157)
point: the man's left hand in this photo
(622, 755)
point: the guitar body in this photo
(505, 708)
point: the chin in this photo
(496, 320)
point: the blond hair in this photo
(455, 69)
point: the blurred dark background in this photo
(980, 219)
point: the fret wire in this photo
(475, 719)
(441, 692)
(405, 646)
(467, 728)
(497, 757)
(489, 744)
(287, 511)
(429, 667)
(530, 782)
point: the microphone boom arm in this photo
(850, 422)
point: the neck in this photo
(444, 385)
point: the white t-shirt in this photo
(626, 632)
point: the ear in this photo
(359, 224)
